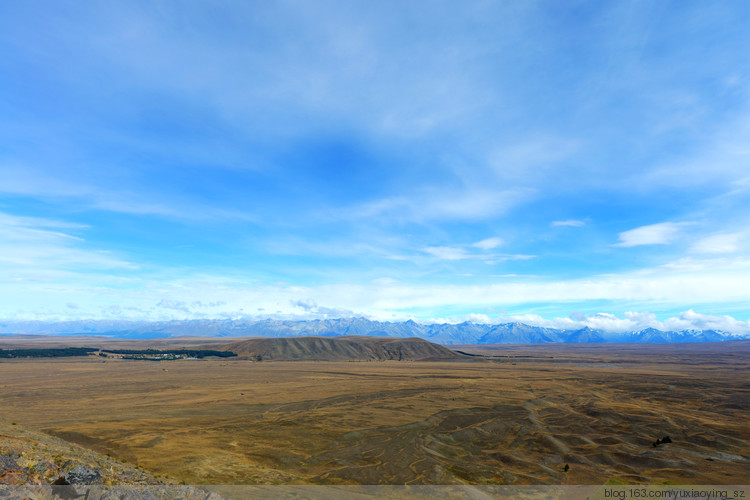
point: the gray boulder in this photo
(82, 475)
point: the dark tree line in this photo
(194, 353)
(63, 352)
(46, 353)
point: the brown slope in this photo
(341, 349)
(32, 457)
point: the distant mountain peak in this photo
(442, 333)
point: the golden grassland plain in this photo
(517, 416)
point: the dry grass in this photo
(519, 421)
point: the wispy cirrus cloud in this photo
(720, 284)
(567, 223)
(436, 204)
(483, 250)
(449, 253)
(30, 223)
(42, 246)
(534, 158)
(372, 143)
(663, 233)
(33, 183)
(488, 243)
(717, 244)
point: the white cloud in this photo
(28, 181)
(385, 281)
(634, 321)
(305, 304)
(724, 281)
(567, 223)
(314, 311)
(216, 296)
(723, 159)
(448, 253)
(495, 259)
(599, 321)
(608, 322)
(443, 204)
(611, 323)
(108, 196)
(535, 157)
(691, 264)
(655, 234)
(20, 221)
(514, 275)
(488, 243)
(177, 305)
(717, 243)
(642, 319)
(479, 250)
(30, 245)
(691, 320)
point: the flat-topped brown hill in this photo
(341, 349)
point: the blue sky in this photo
(555, 162)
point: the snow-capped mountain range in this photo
(447, 334)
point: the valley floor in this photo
(518, 418)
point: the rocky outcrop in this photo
(36, 465)
(31, 457)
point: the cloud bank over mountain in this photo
(442, 333)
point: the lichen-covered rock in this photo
(11, 472)
(29, 457)
(44, 469)
(8, 463)
(83, 475)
